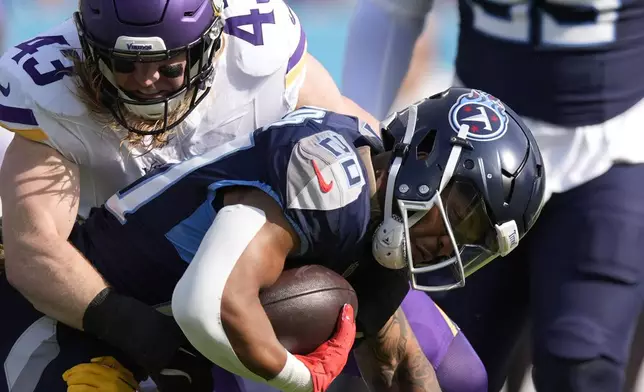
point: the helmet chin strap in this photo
(395, 165)
(387, 245)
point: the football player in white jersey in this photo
(571, 69)
(123, 87)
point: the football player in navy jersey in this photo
(436, 198)
(572, 70)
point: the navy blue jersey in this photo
(143, 238)
(567, 62)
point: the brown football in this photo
(304, 305)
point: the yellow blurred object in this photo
(103, 374)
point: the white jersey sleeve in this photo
(39, 101)
(266, 38)
(37, 95)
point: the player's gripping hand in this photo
(103, 374)
(188, 371)
(328, 360)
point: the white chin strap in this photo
(387, 244)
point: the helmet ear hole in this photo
(388, 139)
(508, 185)
(426, 145)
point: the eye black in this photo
(171, 71)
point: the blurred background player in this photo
(572, 70)
(399, 77)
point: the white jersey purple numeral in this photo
(30, 64)
(255, 19)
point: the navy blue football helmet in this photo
(466, 153)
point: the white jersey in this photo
(257, 80)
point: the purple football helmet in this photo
(113, 32)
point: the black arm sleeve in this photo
(380, 292)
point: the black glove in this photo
(188, 371)
(151, 340)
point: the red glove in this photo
(328, 360)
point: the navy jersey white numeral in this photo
(298, 117)
(566, 62)
(323, 173)
(552, 22)
(339, 147)
(307, 163)
(133, 197)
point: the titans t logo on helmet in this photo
(483, 113)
